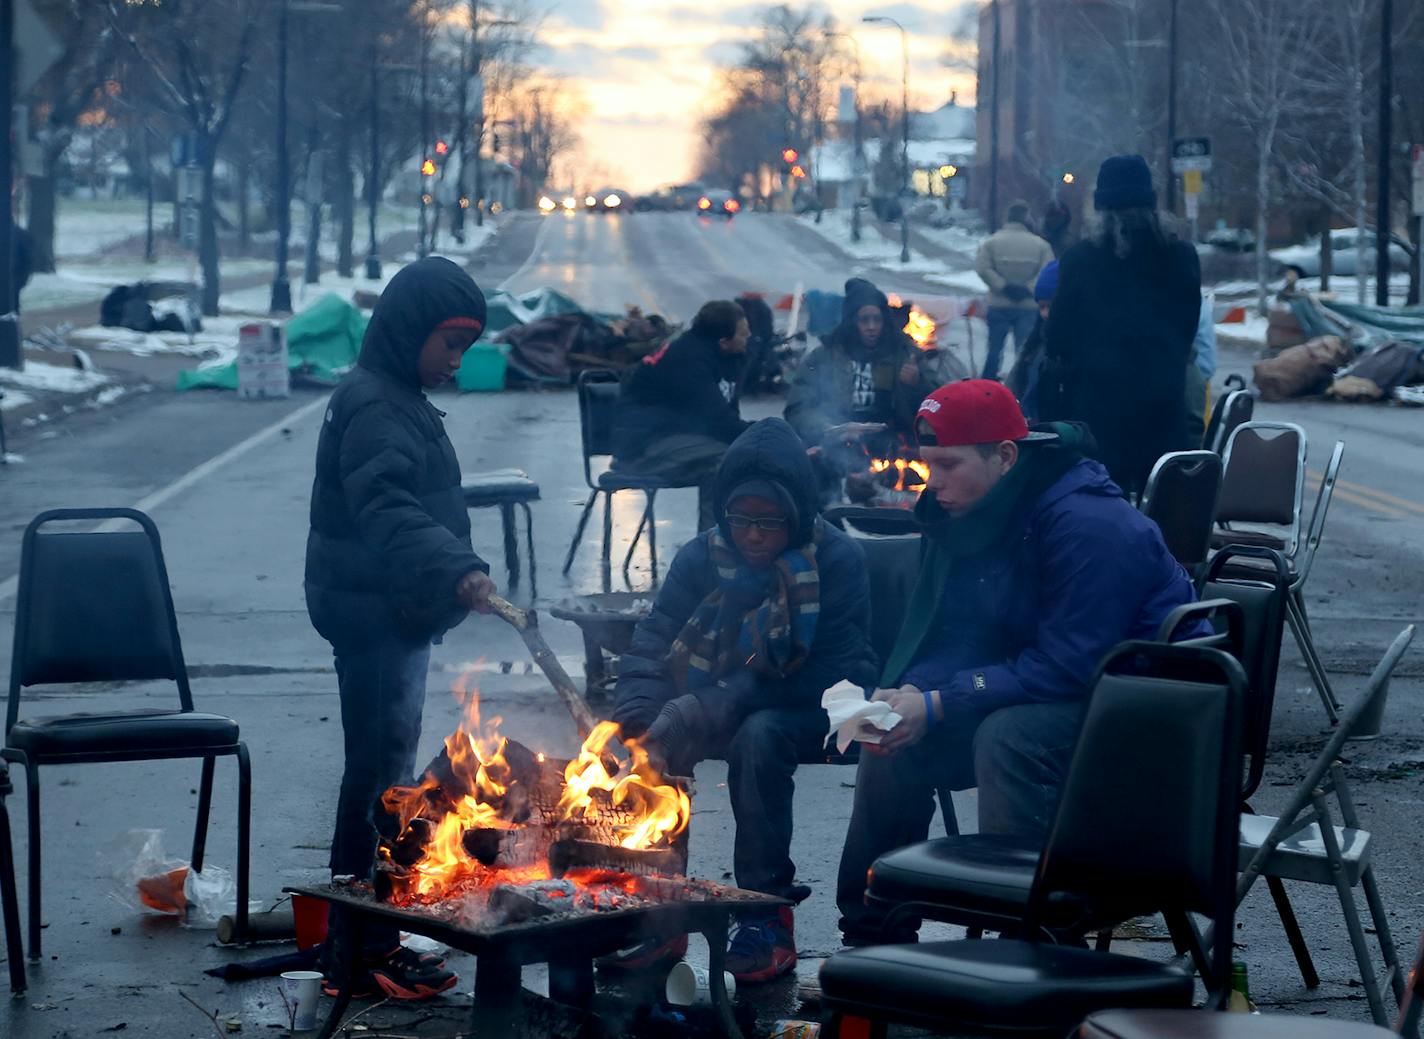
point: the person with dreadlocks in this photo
(758, 616)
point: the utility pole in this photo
(281, 288)
(10, 353)
(426, 183)
(997, 22)
(1386, 152)
(373, 191)
(1171, 106)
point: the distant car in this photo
(718, 203)
(553, 201)
(663, 200)
(686, 196)
(1231, 239)
(608, 200)
(1343, 254)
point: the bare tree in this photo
(197, 54)
(1265, 63)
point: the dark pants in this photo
(682, 459)
(1016, 756)
(1002, 321)
(762, 755)
(382, 699)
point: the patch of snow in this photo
(1252, 330)
(873, 249)
(76, 284)
(957, 239)
(50, 378)
(108, 395)
(967, 281)
(84, 227)
(13, 399)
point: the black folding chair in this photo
(1161, 745)
(96, 607)
(1234, 409)
(9, 903)
(1180, 497)
(598, 391)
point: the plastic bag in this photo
(146, 879)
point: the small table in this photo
(568, 942)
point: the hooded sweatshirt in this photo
(390, 535)
(842, 380)
(768, 451)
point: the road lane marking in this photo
(1368, 497)
(152, 501)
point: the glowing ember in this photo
(486, 812)
(918, 471)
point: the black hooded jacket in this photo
(843, 381)
(390, 537)
(688, 386)
(769, 450)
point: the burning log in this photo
(515, 904)
(566, 855)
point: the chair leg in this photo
(205, 804)
(578, 533)
(1186, 939)
(607, 530)
(1300, 628)
(1351, 913)
(1386, 941)
(244, 839)
(653, 534)
(9, 906)
(1294, 936)
(633, 545)
(529, 541)
(511, 543)
(32, 805)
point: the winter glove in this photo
(1015, 292)
(674, 730)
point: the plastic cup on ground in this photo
(691, 986)
(301, 990)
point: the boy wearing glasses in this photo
(757, 617)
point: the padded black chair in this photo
(1162, 746)
(598, 391)
(503, 489)
(1180, 497)
(1234, 409)
(9, 902)
(96, 607)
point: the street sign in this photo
(1192, 183)
(36, 46)
(1191, 153)
(1193, 206)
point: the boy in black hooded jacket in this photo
(389, 566)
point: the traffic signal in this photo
(441, 148)
(789, 155)
(428, 167)
(798, 172)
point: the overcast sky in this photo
(647, 72)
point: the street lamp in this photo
(905, 129)
(281, 287)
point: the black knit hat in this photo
(1124, 182)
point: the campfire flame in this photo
(902, 466)
(482, 792)
(660, 811)
(920, 327)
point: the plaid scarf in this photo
(762, 619)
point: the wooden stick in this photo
(526, 622)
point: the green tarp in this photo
(322, 342)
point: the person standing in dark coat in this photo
(389, 567)
(1121, 330)
(22, 262)
(678, 408)
(756, 619)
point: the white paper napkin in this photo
(853, 717)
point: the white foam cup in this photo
(691, 986)
(302, 989)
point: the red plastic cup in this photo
(310, 916)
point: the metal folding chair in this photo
(1180, 497)
(1234, 409)
(9, 902)
(96, 607)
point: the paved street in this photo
(228, 484)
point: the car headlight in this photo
(612, 201)
(570, 202)
(546, 204)
(589, 200)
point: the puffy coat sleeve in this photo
(1093, 582)
(644, 683)
(984, 266)
(381, 463)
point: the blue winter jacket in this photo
(1031, 622)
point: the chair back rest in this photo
(1180, 497)
(93, 606)
(1235, 408)
(1264, 478)
(1263, 613)
(598, 390)
(1148, 814)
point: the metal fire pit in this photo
(568, 941)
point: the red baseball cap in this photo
(976, 411)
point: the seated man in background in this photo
(678, 409)
(757, 617)
(1035, 567)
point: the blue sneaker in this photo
(762, 949)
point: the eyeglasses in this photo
(766, 523)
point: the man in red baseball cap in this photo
(1035, 566)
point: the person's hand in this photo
(1016, 292)
(909, 703)
(474, 591)
(910, 373)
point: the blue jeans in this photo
(1017, 757)
(1002, 321)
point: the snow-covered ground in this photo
(20, 387)
(84, 227)
(89, 282)
(873, 249)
